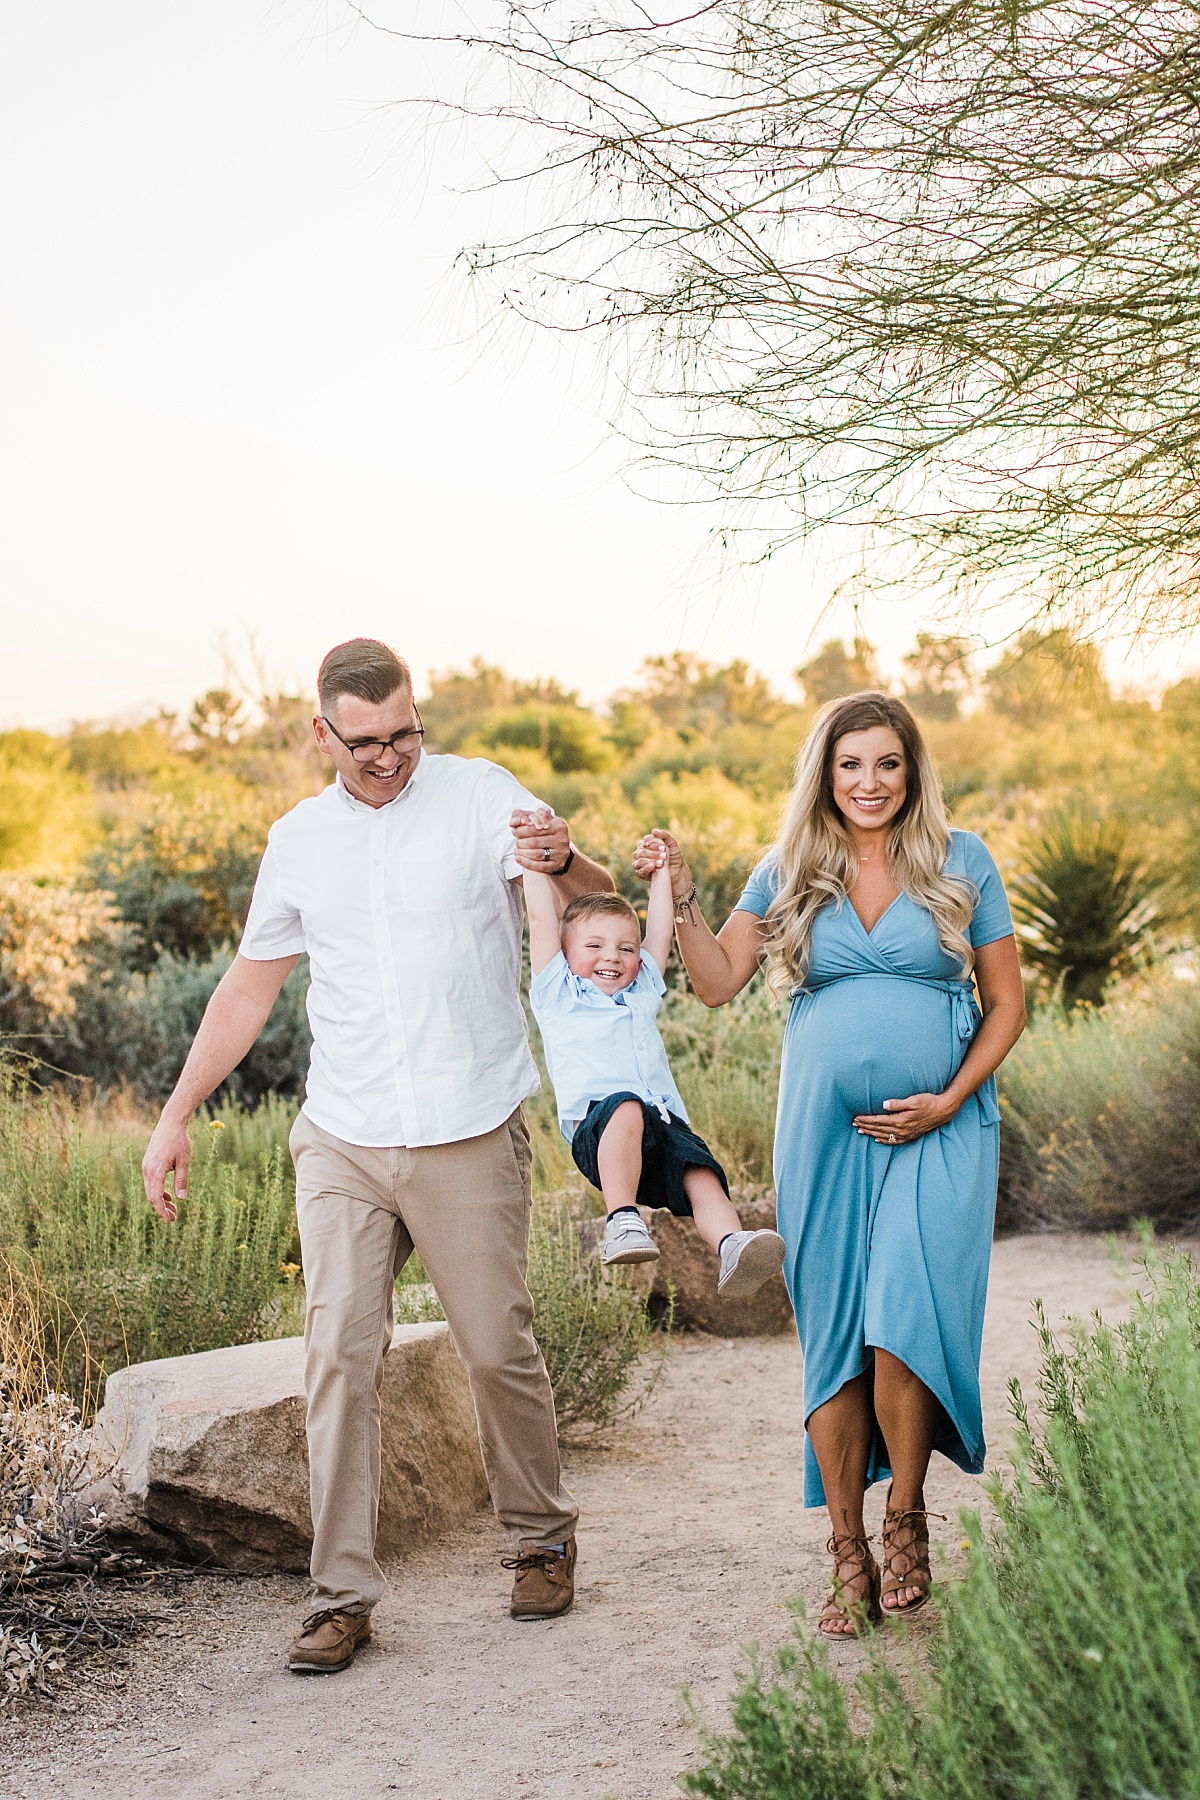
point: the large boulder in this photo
(204, 1457)
(688, 1265)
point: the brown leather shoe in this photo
(544, 1585)
(327, 1642)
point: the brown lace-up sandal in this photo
(906, 1557)
(853, 1554)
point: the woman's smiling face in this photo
(870, 778)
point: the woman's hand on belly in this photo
(903, 1120)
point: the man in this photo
(402, 884)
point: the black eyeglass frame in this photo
(376, 746)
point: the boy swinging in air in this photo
(595, 993)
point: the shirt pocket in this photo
(433, 876)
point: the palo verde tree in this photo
(926, 267)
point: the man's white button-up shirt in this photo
(410, 915)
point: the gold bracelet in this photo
(684, 907)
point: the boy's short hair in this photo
(590, 906)
(364, 667)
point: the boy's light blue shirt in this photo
(599, 1044)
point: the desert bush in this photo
(1085, 906)
(73, 1213)
(52, 1547)
(183, 873)
(1066, 1661)
(51, 936)
(1101, 1114)
(602, 1353)
(134, 1031)
(726, 1064)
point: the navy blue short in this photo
(669, 1149)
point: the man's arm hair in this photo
(545, 936)
(233, 1018)
(660, 917)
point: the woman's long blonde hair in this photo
(815, 852)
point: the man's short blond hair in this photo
(364, 667)
(590, 906)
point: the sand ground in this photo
(692, 1540)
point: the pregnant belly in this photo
(861, 1041)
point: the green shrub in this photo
(72, 1211)
(182, 874)
(1101, 1115)
(1066, 1663)
(726, 1064)
(134, 1031)
(1085, 907)
(602, 1352)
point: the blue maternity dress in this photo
(887, 1247)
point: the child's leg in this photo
(619, 1156)
(712, 1208)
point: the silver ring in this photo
(891, 1137)
(546, 855)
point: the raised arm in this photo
(232, 1021)
(719, 965)
(660, 915)
(545, 936)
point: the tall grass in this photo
(726, 1063)
(124, 1287)
(1066, 1664)
(72, 1211)
(1101, 1114)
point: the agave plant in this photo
(1086, 908)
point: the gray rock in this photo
(204, 1457)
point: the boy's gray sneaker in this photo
(748, 1258)
(626, 1240)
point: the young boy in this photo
(596, 991)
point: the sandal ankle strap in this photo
(856, 1539)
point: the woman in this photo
(880, 921)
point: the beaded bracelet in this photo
(684, 906)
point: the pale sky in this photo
(243, 398)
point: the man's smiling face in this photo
(387, 772)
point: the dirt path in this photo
(692, 1539)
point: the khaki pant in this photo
(464, 1208)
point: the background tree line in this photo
(129, 854)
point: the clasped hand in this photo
(657, 850)
(537, 832)
(903, 1120)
